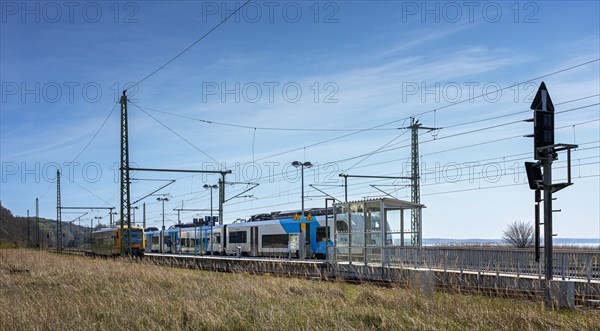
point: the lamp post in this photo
(162, 233)
(134, 208)
(302, 165)
(211, 188)
(111, 214)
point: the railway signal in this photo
(539, 174)
(543, 122)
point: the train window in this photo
(322, 235)
(275, 240)
(154, 240)
(237, 237)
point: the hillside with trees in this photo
(19, 231)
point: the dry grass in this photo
(44, 291)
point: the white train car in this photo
(277, 237)
(192, 241)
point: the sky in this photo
(333, 83)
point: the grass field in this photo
(45, 291)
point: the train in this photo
(107, 241)
(277, 234)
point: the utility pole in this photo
(91, 230)
(345, 186)
(221, 197)
(134, 208)
(125, 193)
(415, 177)
(58, 214)
(111, 214)
(162, 231)
(37, 222)
(144, 214)
(211, 188)
(28, 230)
(304, 246)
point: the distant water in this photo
(582, 242)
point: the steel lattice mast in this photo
(125, 193)
(415, 177)
(58, 214)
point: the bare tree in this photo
(519, 234)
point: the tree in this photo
(519, 234)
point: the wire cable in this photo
(97, 132)
(192, 45)
(263, 128)
(177, 134)
(85, 147)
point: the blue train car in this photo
(276, 234)
(279, 237)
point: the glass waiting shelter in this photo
(368, 231)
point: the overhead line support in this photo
(415, 178)
(125, 192)
(58, 214)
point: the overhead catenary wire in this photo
(293, 192)
(154, 72)
(177, 134)
(440, 151)
(472, 163)
(455, 125)
(328, 140)
(250, 127)
(192, 44)
(264, 128)
(443, 107)
(423, 194)
(460, 147)
(84, 148)
(375, 151)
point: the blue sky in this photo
(349, 65)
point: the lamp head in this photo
(296, 164)
(307, 164)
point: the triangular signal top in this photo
(537, 101)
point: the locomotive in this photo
(107, 241)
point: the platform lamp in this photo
(302, 165)
(211, 188)
(162, 234)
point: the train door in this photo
(198, 241)
(254, 241)
(179, 243)
(174, 241)
(160, 241)
(166, 243)
(307, 243)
